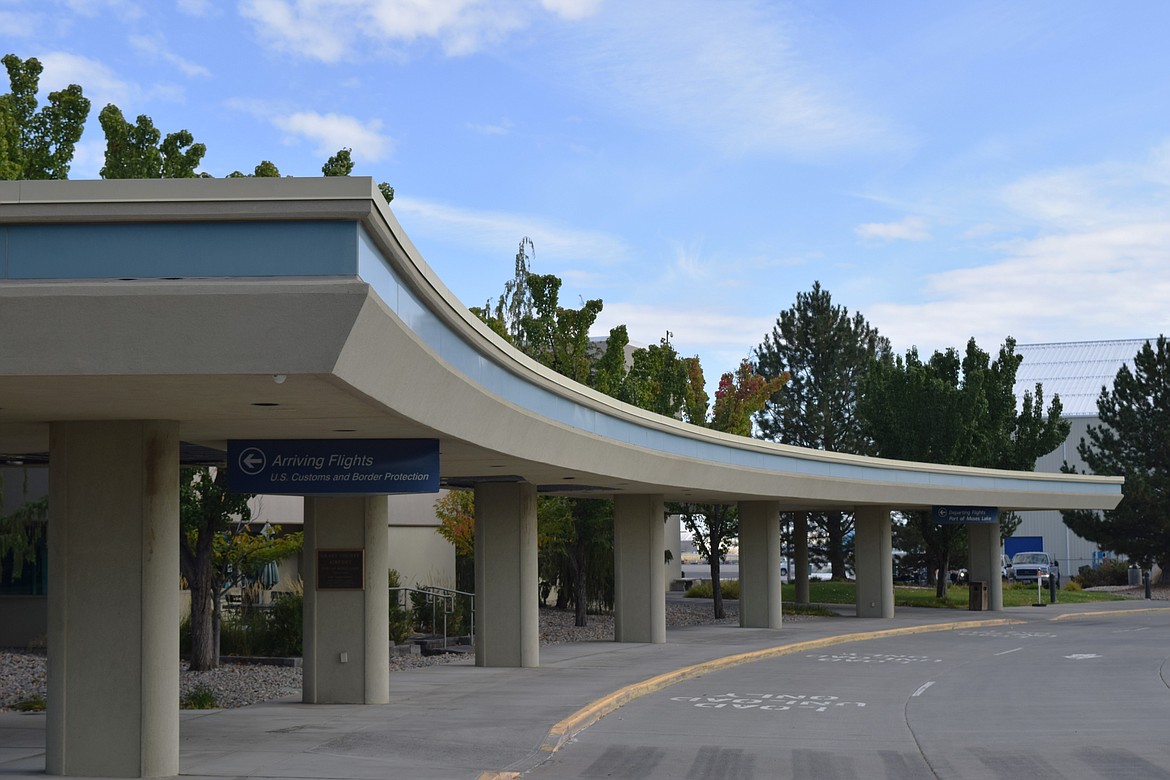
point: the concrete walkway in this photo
(457, 721)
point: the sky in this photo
(949, 170)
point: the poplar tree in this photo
(959, 411)
(38, 143)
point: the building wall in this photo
(1071, 550)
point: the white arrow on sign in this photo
(252, 461)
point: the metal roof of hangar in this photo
(1075, 370)
(184, 300)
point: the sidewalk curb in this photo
(1138, 610)
(569, 727)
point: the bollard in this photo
(1051, 587)
(1146, 582)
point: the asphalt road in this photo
(973, 703)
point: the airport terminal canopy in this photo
(299, 309)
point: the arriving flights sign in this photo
(960, 515)
(301, 467)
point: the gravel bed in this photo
(22, 673)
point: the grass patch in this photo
(35, 704)
(957, 595)
(201, 698)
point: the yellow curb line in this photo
(1068, 615)
(585, 717)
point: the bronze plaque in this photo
(341, 569)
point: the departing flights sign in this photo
(301, 467)
(965, 515)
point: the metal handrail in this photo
(436, 596)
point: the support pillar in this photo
(759, 564)
(672, 531)
(800, 551)
(874, 559)
(507, 628)
(985, 561)
(113, 624)
(347, 630)
(638, 574)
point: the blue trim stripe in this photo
(183, 250)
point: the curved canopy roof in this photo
(188, 299)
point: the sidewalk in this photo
(457, 721)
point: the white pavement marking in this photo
(922, 690)
(1005, 652)
(1082, 656)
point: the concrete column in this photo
(639, 584)
(873, 554)
(347, 630)
(984, 547)
(672, 531)
(113, 625)
(800, 551)
(759, 564)
(507, 629)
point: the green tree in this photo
(962, 412)
(1132, 441)
(207, 509)
(38, 144)
(135, 151)
(826, 352)
(714, 527)
(266, 169)
(658, 380)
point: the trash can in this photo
(978, 592)
(1135, 576)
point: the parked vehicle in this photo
(1030, 566)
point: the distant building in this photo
(1075, 371)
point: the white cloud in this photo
(499, 128)
(333, 131)
(693, 329)
(123, 9)
(1093, 268)
(100, 83)
(556, 244)
(88, 158)
(155, 47)
(908, 229)
(728, 73)
(17, 24)
(331, 30)
(196, 7)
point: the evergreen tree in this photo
(1133, 441)
(826, 352)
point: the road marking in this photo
(922, 690)
(1005, 652)
(1082, 656)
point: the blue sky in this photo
(947, 169)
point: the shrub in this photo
(703, 590)
(202, 698)
(401, 618)
(1072, 586)
(1110, 572)
(35, 704)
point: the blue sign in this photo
(956, 515)
(301, 467)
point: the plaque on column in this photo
(341, 569)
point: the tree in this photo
(826, 352)
(206, 509)
(38, 144)
(961, 412)
(714, 527)
(134, 151)
(266, 169)
(1133, 441)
